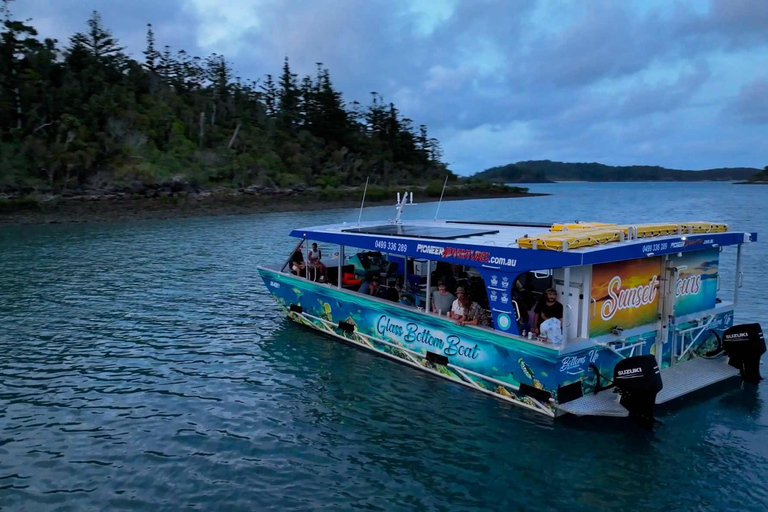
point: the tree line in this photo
(86, 114)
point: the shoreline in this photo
(89, 210)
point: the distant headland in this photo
(546, 171)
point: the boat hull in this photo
(475, 357)
(524, 374)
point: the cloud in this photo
(751, 105)
(678, 83)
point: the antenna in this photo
(365, 191)
(441, 197)
(401, 204)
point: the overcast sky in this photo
(677, 83)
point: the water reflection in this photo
(142, 365)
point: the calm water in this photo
(142, 366)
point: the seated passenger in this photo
(297, 262)
(392, 294)
(442, 299)
(457, 309)
(548, 308)
(473, 313)
(315, 255)
(371, 285)
(444, 272)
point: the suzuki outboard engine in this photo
(744, 344)
(638, 380)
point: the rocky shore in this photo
(178, 198)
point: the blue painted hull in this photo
(479, 358)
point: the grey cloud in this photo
(730, 23)
(581, 88)
(751, 105)
(60, 19)
(664, 97)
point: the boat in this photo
(643, 320)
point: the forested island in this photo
(87, 122)
(543, 171)
(761, 178)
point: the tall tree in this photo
(289, 96)
(151, 55)
(98, 41)
(17, 43)
(269, 93)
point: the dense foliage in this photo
(512, 173)
(761, 176)
(543, 170)
(86, 114)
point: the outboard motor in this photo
(638, 380)
(744, 345)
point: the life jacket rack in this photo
(565, 236)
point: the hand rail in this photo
(517, 311)
(569, 315)
(594, 307)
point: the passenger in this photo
(444, 272)
(473, 313)
(393, 294)
(315, 255)
(442, 299)
(548, 308)
(297, 262)
(457, 309)
(371, 285)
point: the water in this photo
(143, 366)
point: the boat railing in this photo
(419, 359)
(686, 339)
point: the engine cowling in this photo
(638, 380)
(744, 345)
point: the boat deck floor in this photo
(678, 380)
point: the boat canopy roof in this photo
(518, 246)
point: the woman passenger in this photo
(471, 312)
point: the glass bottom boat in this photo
(637, 317)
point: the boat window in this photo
(388, 276)
(528, 290)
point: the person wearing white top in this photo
(457, 310)
(315, 255)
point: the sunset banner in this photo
(696, 281)
(627, 294)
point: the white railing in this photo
(417, 359)
(685, 339)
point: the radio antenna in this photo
(365, 191)
(441, 197)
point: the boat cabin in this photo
(616, 285)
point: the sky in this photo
(677, 83)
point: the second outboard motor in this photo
(744, 345)
(638, 380)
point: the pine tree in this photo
(289, 97)
(17, 42)
(98, 41)
(151, 55)
(269, 91)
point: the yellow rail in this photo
(585, 234)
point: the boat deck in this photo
(678, 380)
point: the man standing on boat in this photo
(548, 308)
